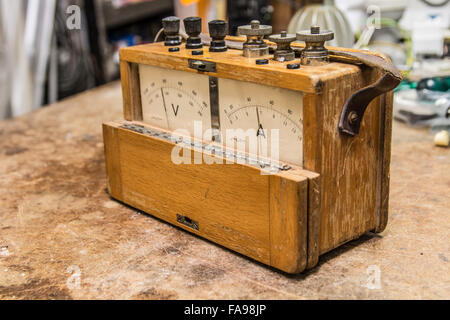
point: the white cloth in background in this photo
(26, 28)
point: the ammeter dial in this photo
(274, 115)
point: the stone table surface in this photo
(63, 237)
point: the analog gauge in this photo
(174, 99)
(268, 116)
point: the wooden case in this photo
(286, 220)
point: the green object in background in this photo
(405, 85)
(434, 84)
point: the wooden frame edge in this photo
(385, 159)
(131, 92)
(288, 223)
(112, 160)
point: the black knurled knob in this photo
(193, 27)
(218, 31)
(171, 27)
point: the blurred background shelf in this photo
(44, 60)
(118, 16)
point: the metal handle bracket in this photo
(355, 107)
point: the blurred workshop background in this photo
(52, 49)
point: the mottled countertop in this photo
(63, 237)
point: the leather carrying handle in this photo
(355, 107)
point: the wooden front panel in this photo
(264, 217)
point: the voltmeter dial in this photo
(274, 115)
(174, 99)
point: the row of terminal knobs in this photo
(218, 30)
(254, 47)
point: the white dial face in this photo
(269, 118)
(274, 115)
(174, 99)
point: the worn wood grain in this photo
(112, 161)
(232, 65)
(127, 94)
(348, 166)
(262, 216)
(132, 107)
(386, 111)
(288, 222)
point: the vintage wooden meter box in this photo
(277, 150)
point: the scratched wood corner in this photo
(112, 159)
(288, 223)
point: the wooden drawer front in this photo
(264, 217)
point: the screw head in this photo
(261, 61)
(353, 117)
(293, 66)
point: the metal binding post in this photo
(284, 51)
(255, 45)
(193, 27)
(314, 53)
(171, 27)
(218, 31)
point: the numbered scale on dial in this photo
(273, 114)
(258, 119)
(173, 99)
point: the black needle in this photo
(260, 127)
(165, 108)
